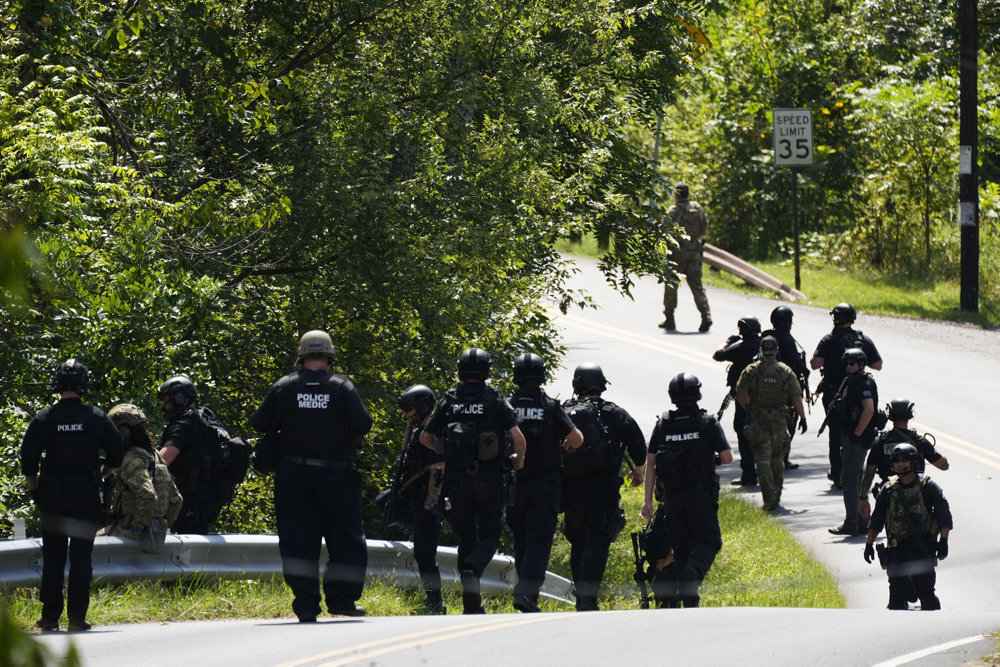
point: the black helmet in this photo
(179, 389)
(684, 388)
(843, 313)
(854, 354)
(769, 346)
(904, 451)
(899, 409)
(749, 326)
(418, 397)
(71, 375)
(529, 366)
(781, 318)
(474, 364)
(588, 375)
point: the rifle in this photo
(725, 404)
(640, 572)
(834, 405)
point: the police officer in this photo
(827, 356)
(420, 491)
(764, 390)
(183, 446)
(146, 499)
(853, 410)
(740, 351)
(535, 511)
(792, 355)
(690, 217)
(591, 495)
(684, 449)
(472, 422)
(899, 412)
(917, 521)
(321, 421)
(71, 435)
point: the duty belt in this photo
(321, 463)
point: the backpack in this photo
(596, 454)
(226, 459)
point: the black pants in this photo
(590, 505)
(748, 467)
(533, 520)
(912, 576)
(199, 510)
(312, 505)
(476, 517)
(70, 513)
(693, 522)
(833, 429)
(426, 537)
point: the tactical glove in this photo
(942, 548)
(870, 552)
(802, 426)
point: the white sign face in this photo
(793, 137)
(966, 213)
(964, 160)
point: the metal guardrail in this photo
(117, 559)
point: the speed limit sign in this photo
(793, 137)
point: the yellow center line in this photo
(374, 649)
(641, 340)
(380, 642)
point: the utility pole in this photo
(968, 139)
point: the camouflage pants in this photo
(688, 263)
(770, 441)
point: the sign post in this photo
(793, 147)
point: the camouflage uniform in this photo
(145, 490)
(770, 385)
(690, 217)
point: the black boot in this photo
(433, 604)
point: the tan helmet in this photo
(127, 414)
(315, 342)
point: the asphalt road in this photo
(949, 371)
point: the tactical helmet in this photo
(474, 364)
(854, 354)
(529, 366)
(899, 409)
(418, 397)
(71, 375)
(904, 451)
(749, 326)
(127, 415)
(588, 375)
(769, 346)
(781, 318)
(179, 389)
(681, 190)
(684, 388)
(315, 342)
(843, 313)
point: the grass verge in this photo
(759, 565)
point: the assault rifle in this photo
(725, 404)
(640, 571)
(834, 405)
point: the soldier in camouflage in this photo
(690, 217)
(146, 499)
(764, 390)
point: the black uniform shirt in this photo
(544, 424)
(740, 353)
(788, 352)
(626, 431)
(318, 414)
(831, 348)
(880, 455)
(184, 431)
(72, 435)
(714, 442)
(857, 390)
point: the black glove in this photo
(870, 552)
(802, 426)
(942, 548)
